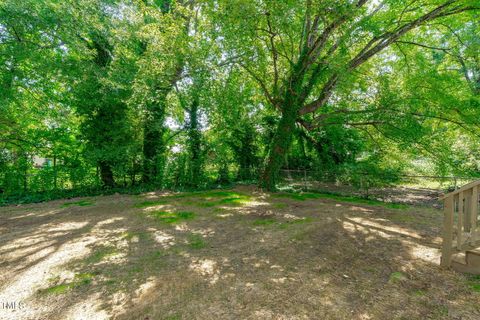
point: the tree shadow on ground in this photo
(266, 258)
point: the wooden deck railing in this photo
(460, 227)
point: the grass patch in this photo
(80, 279)
(81, 203)
(202, 199)
(279, 205)
(233, 199)
(100, 254)
(264, 222)
(352, 199)
(58, 289)
(473, 282)
(397, 277)
(172, 217)
(196, 241)
(419, 293)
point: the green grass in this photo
(352, 199)
(99, 254)
(202, 199)
(81, 203)
(264, 222)
(196, 241)
(221, 198)
(80, 279)
(58, 289)
(397, 277)
(419, 293)
(473, 282)
(172, 217)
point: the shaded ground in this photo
(233, 254)
(411, 195)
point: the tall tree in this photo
(165, 35)
(307, 49)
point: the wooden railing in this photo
(460, 227)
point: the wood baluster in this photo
(467, 208)
(449, 208)
(473, 215)
(461, 197)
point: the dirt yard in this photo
(235, 254)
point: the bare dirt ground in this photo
(235, 254)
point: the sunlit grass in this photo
(172, 217)
(101, 253)
(80, 279)
(397, 277)
(201, 199)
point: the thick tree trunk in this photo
(106, 174)
(153, 152)
(279, 147)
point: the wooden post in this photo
(474, 215)
(461, 197)
(447, 232)
(467, 208)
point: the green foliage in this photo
(187, 95)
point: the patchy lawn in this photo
(236, 254)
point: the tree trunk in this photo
(279, 147)
(153, 142)
(106, 174)
(194, 137)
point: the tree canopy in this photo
(190, 93)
